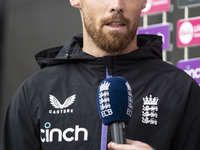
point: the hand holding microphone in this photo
(130, 145)
(115, 104)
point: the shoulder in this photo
(43, 79)
(178, 78)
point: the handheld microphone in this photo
(115, 105)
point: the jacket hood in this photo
(150, 47)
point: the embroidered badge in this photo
(150, 110)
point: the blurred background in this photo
(29, 26)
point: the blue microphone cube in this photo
(114, 100)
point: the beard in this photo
(112, 41)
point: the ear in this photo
(75, 3)
(144, 4)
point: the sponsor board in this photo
(156, 6)
(191, 67)
(188, 32)
(192, 3)
(161, 30)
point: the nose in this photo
(117, 6)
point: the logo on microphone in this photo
(104, 86)
(130, 100)
(150, 110)
(104, 100)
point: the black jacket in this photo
(55, 109)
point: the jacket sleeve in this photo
(188, 133)
(19, 132)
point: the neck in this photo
(91, 48)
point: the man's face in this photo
(111, 24)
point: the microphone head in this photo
(114, 100)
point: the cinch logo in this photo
(195, 73)
(68, 135)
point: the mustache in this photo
(114, 17)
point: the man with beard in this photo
(109, 28)
(109, 32)
(55, 109)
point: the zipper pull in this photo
(108, 62)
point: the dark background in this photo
(29, 26)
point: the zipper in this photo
(108, 61)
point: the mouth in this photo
(116, 24)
